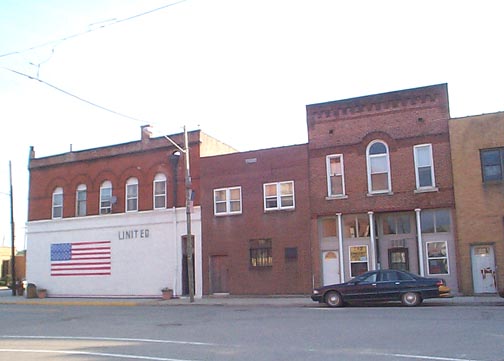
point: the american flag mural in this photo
(81, 258)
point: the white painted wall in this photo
(141, 266)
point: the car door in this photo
(362, 288)
(392, 284)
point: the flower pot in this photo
(167, 294)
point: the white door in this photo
(483, 267)
(330, 267)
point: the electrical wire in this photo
(112, 22)
(77, 97)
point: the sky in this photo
(82, 74)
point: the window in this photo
(437, 258)
(396, 224)
(424, 166)
(106, 198)
(57, 203)
(435, 221)
(227, 201)
(358, 260)
(81, 200)
(279, 195)
(132, 195)
(335, 176)
(328, 227)
(261, 253)
(356, 225)
(378, 168)
(398, 259)
(159, 191)
(492, 164)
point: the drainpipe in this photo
(420, 242)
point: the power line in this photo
(113, 22)
(77, 97)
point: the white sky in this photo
(241, 70)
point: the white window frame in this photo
(278, 196)
(81, 189)
(106, 200)
(418, 166)
(57, 203)
(369, 159)
(159, 178)
(131, 195)
(227, 201)
(330, 176)
(438, 257)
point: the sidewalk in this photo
(283, 301)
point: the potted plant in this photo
(167, 293)
(41, 292)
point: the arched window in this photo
(81, 200)
(132, 195)
(159, 191)
(378, 167)
(57, 203)
(106, 197)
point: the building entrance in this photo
(483, 267)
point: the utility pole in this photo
(13, 253)
(188, 192)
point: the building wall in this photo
(480, 205)
(401, 119)
(229, 236)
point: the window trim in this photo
(369, 157)
(227, 201)
(58, 192)
(279, 196)
(159, 178)
(418, 166)
(128, 197)
(106, 185)
(361, 261)
(329, 175)
(81, 189)
(436, 258)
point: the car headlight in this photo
(315, 292)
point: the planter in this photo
(42, 293)
(167, 293)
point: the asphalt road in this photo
(187, 333)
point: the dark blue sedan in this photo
(382, 285)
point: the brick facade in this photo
(480, 203)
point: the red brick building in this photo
(255, 222)
(111, 221)
(381, 188)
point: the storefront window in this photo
(396, 224)
(358, 260)
(356, 225)
(329, 228)
(437, 257)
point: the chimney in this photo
(146, 133)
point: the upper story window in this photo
(81, 200)
(132, 195)
(335, 175)
(424, 166)
(57, 203)
(159, 191)
(106, 198)
(435, 221)
(492, 164)
(227, 201)
(279, 195)
(378, 167)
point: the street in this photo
(187, 333)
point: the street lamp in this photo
(188, 192)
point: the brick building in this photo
(477, 151)
(255, 222)
(381, 189)
(111, 221)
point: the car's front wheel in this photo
(411, 299)
(333, 299)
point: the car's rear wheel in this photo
(333, 299)
(411, 299)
